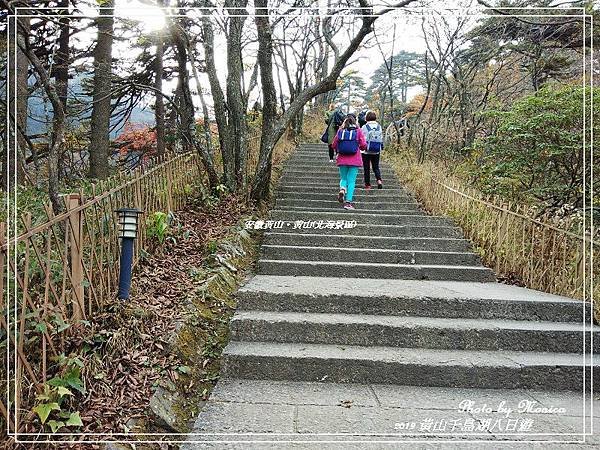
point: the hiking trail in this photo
(385, 328)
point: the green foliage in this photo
(221, 189)
(212, 246)
(407, 70)
(52, 401)
(351, 87)
(157, 226)
(536, 153)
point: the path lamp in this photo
(128, 225)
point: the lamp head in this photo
(128, 222)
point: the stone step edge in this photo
(409, 304)
(387, 265)
(334, 208)
(361, 236)
(408, 355)
(358, 213)
(375, 320)
(361, 249)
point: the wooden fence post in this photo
(76, 228)
(2, 259)
(168, 168)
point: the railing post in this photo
(168, 167)
(76, 227)
(2, 260)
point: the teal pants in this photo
(348, 180)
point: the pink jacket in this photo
(351, 160)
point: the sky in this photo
(396, 31)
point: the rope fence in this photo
(534, 252)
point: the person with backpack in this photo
(370, 156)
(362, 118)
(348, 142)
(334, 120)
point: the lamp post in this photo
(128, 225)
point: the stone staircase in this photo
(400, 300)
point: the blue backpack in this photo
(347, 141)
(374, 139)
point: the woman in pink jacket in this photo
(348, 142)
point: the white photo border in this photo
(479, 11)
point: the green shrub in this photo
(157, 226)
(536, 154)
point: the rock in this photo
(161, 405)
(218, 280)
(117, 446)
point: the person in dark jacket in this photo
(333, 119)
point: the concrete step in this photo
(299, 166)
(362, 218)
(363, 208)
(332, 187)
(448, 299)
(406, 366)
(359, 189)
(374, 270)
(368, 255)
(374, 230)
(329, 181)
(323, 149)
(321, 174)
(360, 196)
(310, 159)
(296, 191)
(410, 332)
(320, 169)
(351, 416)
(362, 229)
(318, 158)
(445, 239)
(304, 189)
(320, 150)
(332, 178)
(370, 203)
(312, 156)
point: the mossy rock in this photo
(204, 332)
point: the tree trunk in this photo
(205, 115)
(61, 68)
(15, 162)
(205, 151)
(260, 186)
(281, 97)
(58, 122)
(220, 105)
(100, 123)
(186, 106)
(235, 94)
(273, 127)
(159, 106)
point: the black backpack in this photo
(338, 118)
(362, 118)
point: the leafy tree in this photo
(544, 44)
(406, 71)
(351, 90)
(536, 154)
(140, 139)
